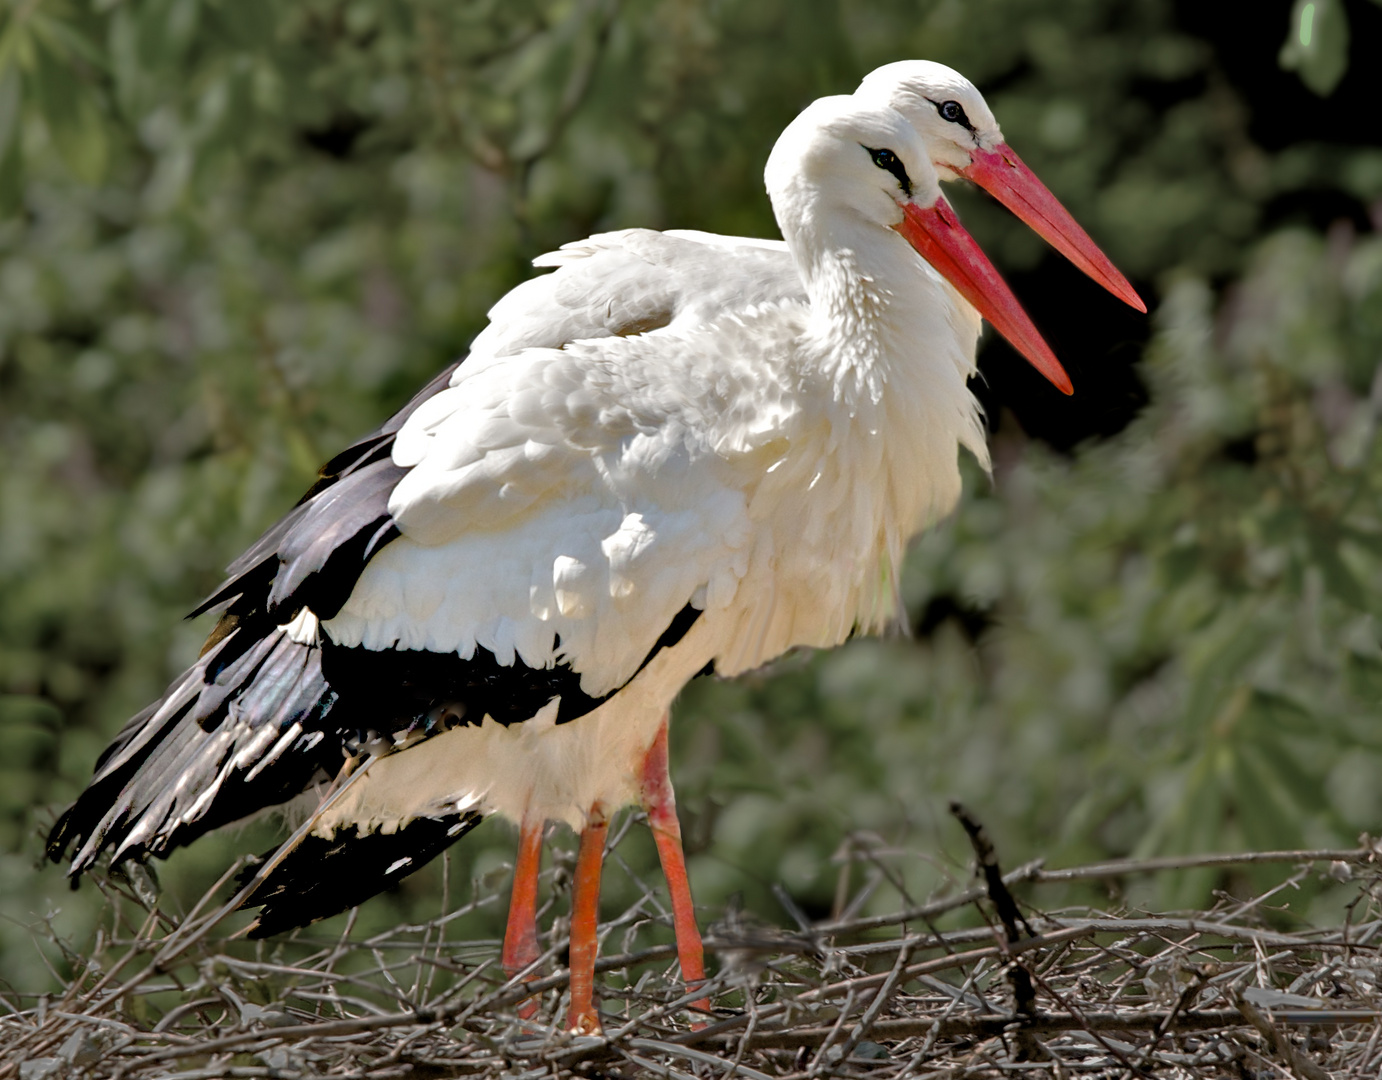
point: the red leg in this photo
(661, 804)
(520, 937)
(585, 921)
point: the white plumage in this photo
(766, 465)
(677, 451)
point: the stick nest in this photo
(1018, 991)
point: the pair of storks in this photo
(680, 452)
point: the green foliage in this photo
(235, 235)
(1316, 46)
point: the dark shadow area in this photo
(1317, 208)
(1097, 338)
(1247, 39)
(971, 619)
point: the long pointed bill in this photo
(1002, 174)
(941, 240)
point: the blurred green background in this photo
(236, 234)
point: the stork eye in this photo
(955, 113)
(889, 162)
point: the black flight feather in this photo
(261, 718)
(322, 877)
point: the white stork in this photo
(621, 283)
(489, 605)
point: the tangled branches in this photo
(1059, 993)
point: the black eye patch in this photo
(888, 161)
(954, 112)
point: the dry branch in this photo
(1179, 994)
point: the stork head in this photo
(944, 107)
(850, 173)
(963, 139)
(842, 159)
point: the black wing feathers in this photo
(269, 711)
(321, 877)
(314, 555)
(402, 692)
(323, 555)
(242, 729)
(163, 781)
(367, 469)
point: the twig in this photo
(1298, 1063)
(986, 857)
(809, 1004)
(990, 1026)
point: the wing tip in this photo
(323, 877)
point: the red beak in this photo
(941, 240)
(1003, 175)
